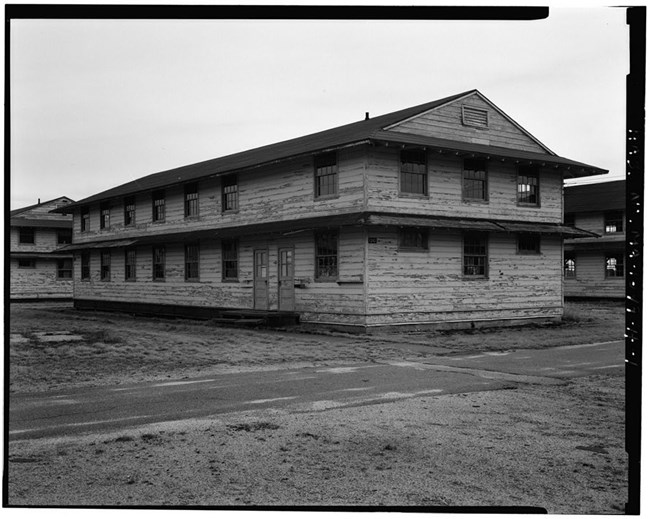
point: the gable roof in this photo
(603, 196)
(365, 131)
(21, 210)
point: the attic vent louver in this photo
(472, 116)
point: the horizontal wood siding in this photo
(445, 189)
(445, 123)
(590, 280)
(40, 282)
(412, 287)
(283, 191)
(45, 240)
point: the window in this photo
(528, 186)
(614, 266)
(159, 263)
(85, 265)
(192, 262)
(85, 219)
(229, 260)
(130, 257)
(474, 180)
(413, 238)
(413, 172)
(64, 269)
(129, 211)
(326, 171)
(26, 264)
(569, 266)
(527, 244)
(229, 194)
(26, 235)
(570, 219)
(158, 206)
(475, 258)
(327, 256)
(191, 200)
(63, 237)
(472, 116)
(105, 265)
(613, 222)
(104, 216)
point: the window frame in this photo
(130, 268)
(105, 266)
(84, 219)
(620, 266)
(536, 239)
(27, 235)
(483, 240)
(570, 257)
(85, 266)
(485, 180)
(104, 215)
(528, 172)
(158, 206)
(227, 197)
(406, 162)
(405, 235)
(189, 264)
(31, 263)
(66, 234)
(322, 162)
(129, 211)
(158, 268)
(191, 200)
(333, 236)
(60, 267)
(614, 216)
(231, 246)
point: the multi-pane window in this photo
(475, 179)
(528, 186)
(614, 266)
(129, 264)
(475, 255)
(85, 219)
(26, 235)
(105, 265)
(158, 205)
(569, 266)
(64, 269)
(229, 260)
(64, 236)
(129, 211)
(158, 266)
(85, 265)
(528, 244)
(104, 216)
(613, 222)
(414, 238)
(326, 171)
(26, 264)
(327, 255)
(229, 193)
(192, 262)
(413, 172)
(191, 200)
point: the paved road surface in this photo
(310, 389)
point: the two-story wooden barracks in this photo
(447, 213)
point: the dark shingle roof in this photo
(604, 196)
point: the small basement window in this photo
(473, 116)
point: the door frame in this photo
(293, 277)
(255, 278)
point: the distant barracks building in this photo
(448, 213)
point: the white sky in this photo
(96, 103)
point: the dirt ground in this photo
(560, 447)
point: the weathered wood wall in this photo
(590, 280)
(40, 282)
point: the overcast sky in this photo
(96, 103)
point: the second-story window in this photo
(159, 263)
(570, 219)
(326, 171)
(413, 172)
(64, 236)
(613, 222)
(26, 235)
(528, 186)
(229, 193)
(85, 219)
(158, 206)
(104, 216)
(475, 180)
(191, 200)
(129, 211)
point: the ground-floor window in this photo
(527, 244)
(64, 269)
(192, 262)
(159, 263)
(614, 266)
(569, 266)
(129, 264)
(105, 265)
(85, 265)
(414, 239)
(229, 260)
(327, 255)
(26, 264)
(475, 255)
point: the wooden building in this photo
(595, 266)
(446, 213)
(36, 271)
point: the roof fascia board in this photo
(392, 125)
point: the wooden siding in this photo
(429, 287)
(445, 122)
(40, 282)
(445, 190)
(590, 280)
(45, 240)
(595, 222)
(279, 192)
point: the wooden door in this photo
(286, 296)
(261, 280)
